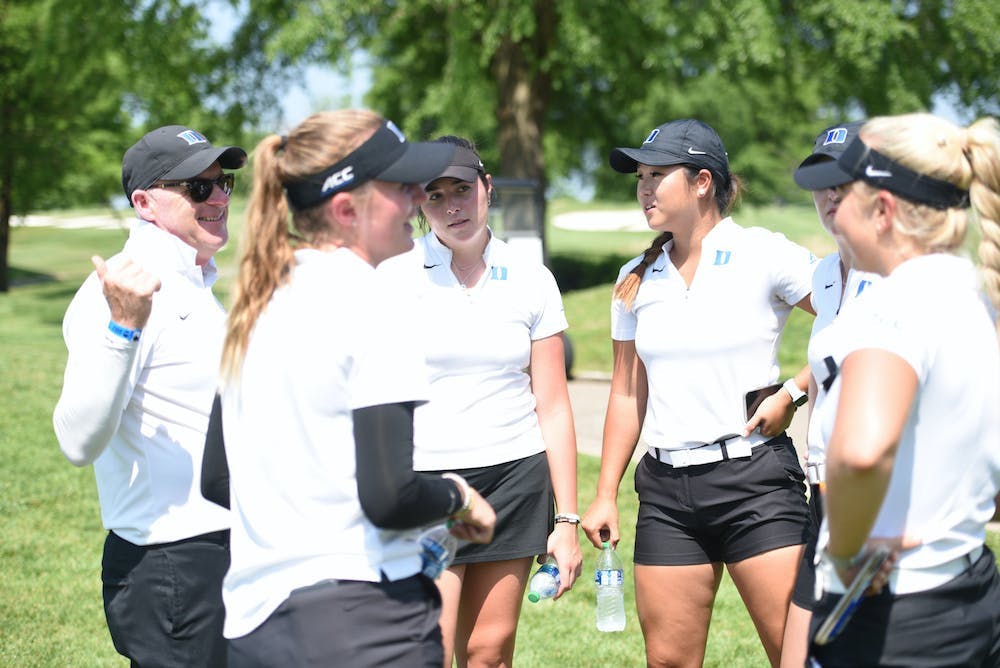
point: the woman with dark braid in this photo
(696, 322)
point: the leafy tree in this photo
(543, 84)
(81, 80)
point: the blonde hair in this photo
(268, 244)
(725, 199)
(968, 158)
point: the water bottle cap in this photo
(533, 597)
(606, 543)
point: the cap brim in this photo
(420, 163)
(228, 157)
(626, 160)
(821, 175)
(467, 174)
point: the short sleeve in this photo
(551, 316)
(623, 320)
(792, 269)
(869, 325)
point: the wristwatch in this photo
(798, 396)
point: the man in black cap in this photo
(144, 334)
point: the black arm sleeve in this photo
(392, 494)
(214, 466)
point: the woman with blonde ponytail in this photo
(696, 321)
(314, 423)
(912, 421)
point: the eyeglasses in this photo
(200, 190)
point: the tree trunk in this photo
(5, 200)
(524, 91)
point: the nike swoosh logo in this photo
(829, 286)
(185, 316)
(694, 151)
(430, 266)
(873, 173)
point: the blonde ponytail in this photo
(268, 244)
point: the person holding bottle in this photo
(911, 421)
(317, 395)
(835, 285)
(499, 411)
(696, 321)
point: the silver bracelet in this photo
(842, 563)
(569, 518)
(464, 489)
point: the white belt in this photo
(912, 580)
(705, 454)
(816, 473)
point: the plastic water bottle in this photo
(610, 580)
(545, 582)
(437, 549)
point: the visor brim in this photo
(420, 163)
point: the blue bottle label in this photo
(609, 577)
(552, 570)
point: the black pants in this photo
(163, 602)
(348, 623)
(956, 624)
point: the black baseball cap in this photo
(683, 142)
(385, 156)
(829, 145)
(465, 166)
(174, 153)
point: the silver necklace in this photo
(463, 273)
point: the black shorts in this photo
(721, 512)
(955, 624)
(521, 495)
(804, 594)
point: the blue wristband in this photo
(124, 332)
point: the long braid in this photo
(629, 287)
(983, 154)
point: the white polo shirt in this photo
(827, 288)
(330, 341)
(477, 344)
(930, 313)
(139, 410)
(706, 345)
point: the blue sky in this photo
(310, 94)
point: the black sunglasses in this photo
(200, 190)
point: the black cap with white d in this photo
(174, 153)
(683, 142)
(829, 145)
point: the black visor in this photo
(859, 162)
(385, 156)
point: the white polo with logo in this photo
(827, 288)
(330, 341)
(477, 343)
(929, 312)
(706, 345)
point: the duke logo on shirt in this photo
(722, 257)
(498, 273)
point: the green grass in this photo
(50, 589)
